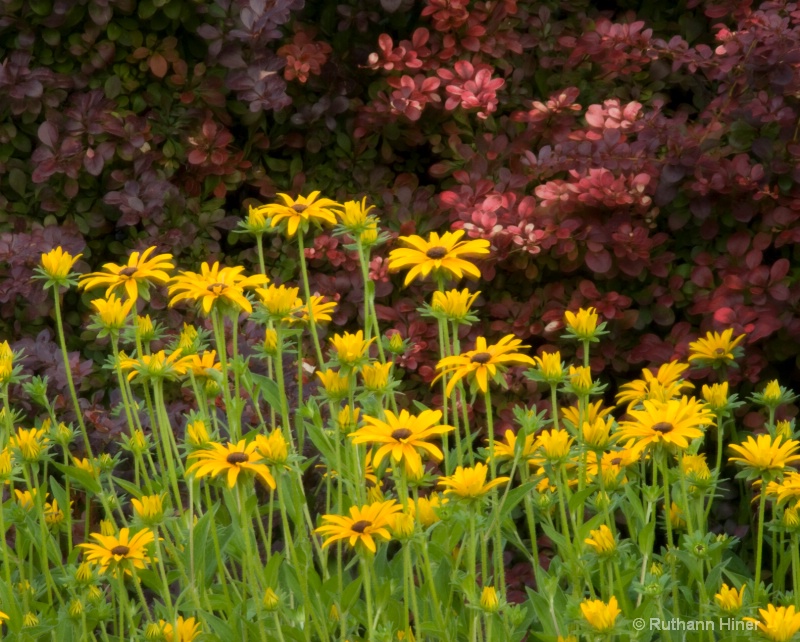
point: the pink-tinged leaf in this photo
(779, 292)
(724, 316)
(779, 270)
(197, 157)
(738, 243)
(733, 282)
(48, 134)
(158, 65)
(599, 262)
(702, 277)
(753, 259)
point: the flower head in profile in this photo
(549, 368)
(766, 455)
(584, 325)
(362, 526)
(482, 362)
(299, 213)
(376, 376)
(56, 267)
(597, 434)
(554, 445)
(665, 384)
(602, 541)
(231, 460)
(673, 423)
(185, 630)
(470, 483)
(7, 368)
(317, 307)
(215, 287)
(601, 616)
(280, 302)
(716, 396)
(454, 306)
(355, 216)
(273, 447)
(773, 395)
(112, 313)
(119, 551)
(158, 365)
(335, 384)
(443, 256)
(257, 222)
(730, 599)
(134, 278)
(779, 624)
(29, 443)
(507, 449)
(403, 437)
(351, 349)
(149, 509)
(716, 349)
(426, 509)
(489, 600)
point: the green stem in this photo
(307, 290)
(762, 502)
(365, 570)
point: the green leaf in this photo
(18, 180)
(112, 87)
(514, 497)
(579, 498)
(269, 390)
(84, 478)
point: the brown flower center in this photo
(237, 458)
(216, 288)
(120, 550)
(616, 461)
(401, 433)
(436, 252)
(481, 357)
(128, 271)
(719, 351)
(360, 526)
(299, 208)
(663, 427)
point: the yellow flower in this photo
(396, 345)
(403, 525)
(696, 470)
(369, 236)
(30, 619)
(230, 459)
(580, 379)
(376, 376)
(403, 436)
(506, 450)
(337, 386)
(4, 616)
(86, 465)
(298, 213)
(568, 638)
(426, 509)
(483, 361)
(673, 423)
(602, 540)
(187, 342)
(555, 444)
(57, 264)
(362, 526)
(351, 348)
(6, 465)
(258, 221)
(470, 483)
(784, 429)
(729, 599)
(598, 433)
(601, 616)
(25, 498)
(135, 277)
(53, 515)
(489, 600)
(6, 362)
(149, 509)
(441, 255)
(30, 443)
(117, 551)
(791, 517)
(184, 631)
(215, 286)
(279, 301)
(273, 447)
(582, 325)
(550, 366)
(716, 396)
(571, 414)
(145, 328)
(347, 418)
(112, 312)
(200, 366)
(197, 433)
(316, 306)
(612, 464)
(666, 384)
(271, 600)
(271, 342)
(788, 489)
(454, 305)
(766, 455)
(777, 624)
(355, 216)
(676, 518)
(75, 608)
(158, 365)
(715, 348)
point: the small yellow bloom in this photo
(112, 312)
(489, 601)
(602, 541)
(258, 221)
(470, 483)
(185, 631)
(766, 455)
(791, 518)
(158, 365)
(6, 465)
(583, 324)
(601, 616)
(369, 236)
(355, 216)
(30, 443)
(396, 344)
(279, 301)
(554, 444)
(271, 342)
(784, 429)
(298, 213)
(347, 418)
(75, 608)
(53, 515)
(376, 376)
(696, 470)
(83, 574)
(454, 305)
(580, 379)
(403, 526)
(507, 449)
(772, 393)
(273, 447)
(676, 518)
(6, 362)
(271, 600)
(25, 498)
(145, 329)
(716, 396)
(149, 509)
(426, 509)
(337, 386)
(549, 364)
(779, 624)
(351, 348)
(57, 264)
(715, 348)
(596, 435)
(30, 619)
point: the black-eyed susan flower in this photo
(470, 483)
(215, 286)
(280, 302)
(716, 349)
(440, 255)
(427, 509)
(729, 599)
(53, 515)
(230, 460)
(149, 509)
(788, 489)
(376, 376)
(112, 313)
(665, 384)
(716, 396)
(778, 624)
(454, 306)
(612, 465)
(257, 222)
(134, 278)
(271, 599)
(766, 455)
(403, 437)
(335, 384)
(271, 342)
(602, 541)
(158, 365)
(119, 551)
(489, 601)
(30, 444)
(507, 449)
(554, 445)
(145, 329)
(784, 428)
(695, 469)
(774, 395)
(583, 325)
(202, 366)
(347, 418)
(273, 447)
(601, 616)
(355, 216)
(185, 630)
(571, 415)
(403, 525)
(597, 434)
(25, 499)
(316, 306)
(548, 368)
(673, 423)
(56, 266)
(351, 349)
(362, 526)
(300, 212)
(580, 380)
(6, 363)
(6, 464)
(482, 362)
(197, 433)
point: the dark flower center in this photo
(299, 208)
(128, 271)
(401, 433)
(663, 427)
(616, 461)
(481, 357)
(237, 458)
(120, 550)
(436, 252)
(719, 351)
(216, 288)
(360, 526)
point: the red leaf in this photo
(158, 65)
(599, 262)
